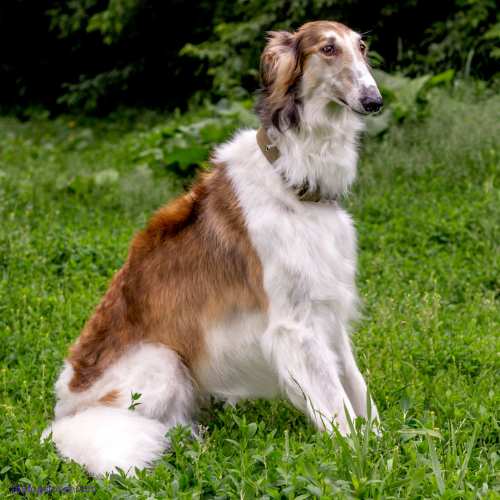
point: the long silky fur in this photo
(280, 73)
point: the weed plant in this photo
(427, 207)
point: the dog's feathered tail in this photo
(104, 438)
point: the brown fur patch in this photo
(110, 398)
(192, 264)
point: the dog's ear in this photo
(280, 70)
(279, 65)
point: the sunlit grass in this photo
(427, 207)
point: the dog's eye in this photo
(362, 46)
(329, 50)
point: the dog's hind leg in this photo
(96, 427)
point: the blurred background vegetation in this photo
(97, 56)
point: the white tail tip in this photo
(103, 438)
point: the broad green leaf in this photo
(442, 78)
(251, 430)
(427, 432)
(380, 123)
(186, 157)
(388, 81)
(493, 32)
(405, 404)
(314, 490)
(417, 478)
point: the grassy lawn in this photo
(427, 206)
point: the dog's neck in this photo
(322, 151)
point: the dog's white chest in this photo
(329, 243)
(309, 265)
(309, 259)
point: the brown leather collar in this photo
(303, 191)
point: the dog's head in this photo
(323, 60)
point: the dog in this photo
(244, 287)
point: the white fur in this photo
(102, 438)
(234, 367)
(299, 348)
(154, 371)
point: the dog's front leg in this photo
(308, 373)
(352, 380)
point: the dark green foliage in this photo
(52, 57)
(403, 98)
(467, 41)
(410, 37)
(95, 56)
(427, 206)
(185, 142)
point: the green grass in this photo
(427, 206)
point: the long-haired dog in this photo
(245, 286)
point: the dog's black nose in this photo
(372, 100)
